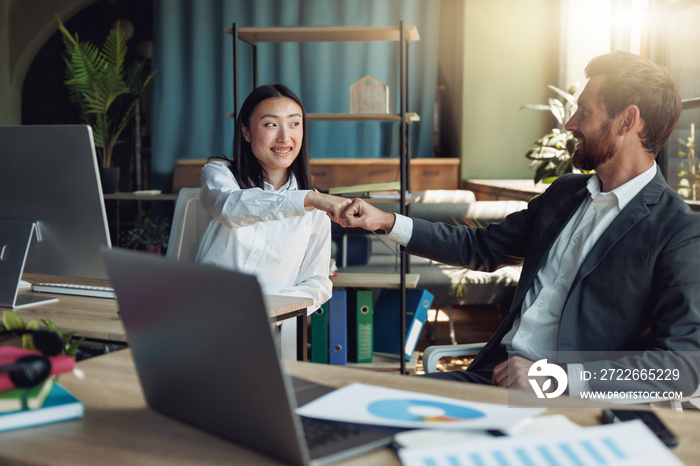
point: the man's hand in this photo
(513, 373)
(333, 206)
(361, 214)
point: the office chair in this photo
(190, 221)
(433, 354)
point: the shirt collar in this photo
(623, 193)
(290, 185)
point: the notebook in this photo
(205, 354)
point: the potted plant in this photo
(150, 233)
(12, 321)
(551, 154)
(104, 89)
(689, 174)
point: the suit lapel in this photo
(636, 210)
(551, 234)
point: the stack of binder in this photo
(342, 329)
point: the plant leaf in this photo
(72, 348)
(12, 321)
(570, 99)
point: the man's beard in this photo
(595, 149)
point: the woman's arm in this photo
(234, 207)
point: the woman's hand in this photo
(331, 205)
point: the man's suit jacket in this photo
(641, 277)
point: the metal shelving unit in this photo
(404, 35)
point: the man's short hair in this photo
(633, 80)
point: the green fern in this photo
(101, 85)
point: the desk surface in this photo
(128, 196)
(98, 318)
(118, 428)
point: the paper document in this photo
(368, 404)
(625, 443)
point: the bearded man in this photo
(611, 260)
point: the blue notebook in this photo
(60, 405)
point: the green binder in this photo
(360, 326)
(319, 335)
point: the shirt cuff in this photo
(402, 231)
(297, 198)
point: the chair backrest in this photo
(190, 221)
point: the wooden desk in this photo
(98, 318)
(129, 196)
(118, 428)
(496, 190)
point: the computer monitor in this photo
(49, 176)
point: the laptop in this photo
(205, 354)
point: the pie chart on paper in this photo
(421, 411)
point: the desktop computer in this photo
(52, 214)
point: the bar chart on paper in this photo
(623, 443)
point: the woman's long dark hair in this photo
(244, 166)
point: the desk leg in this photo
(302, 337)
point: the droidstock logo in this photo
(541, 369)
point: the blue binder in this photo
(387, 323)
(338, 328)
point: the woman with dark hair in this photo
(267, 219)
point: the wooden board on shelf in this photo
(373, 280)
(426, 173)
(387, 363)
(324, 34)
(410, 117)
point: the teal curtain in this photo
(193, 88)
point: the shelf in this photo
(387, 363)
(410, 117)
(324, 34)
(689, 104)
(400, 34)
(373, 280)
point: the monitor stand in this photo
(15, 239)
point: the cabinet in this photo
(401, 34)
(426, 173)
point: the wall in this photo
(495, 55)
(510, 55)
(24, 28)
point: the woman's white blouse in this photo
(266, 233)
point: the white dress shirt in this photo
(266, 233)
(535, 331)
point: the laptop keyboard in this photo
(320, 433)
